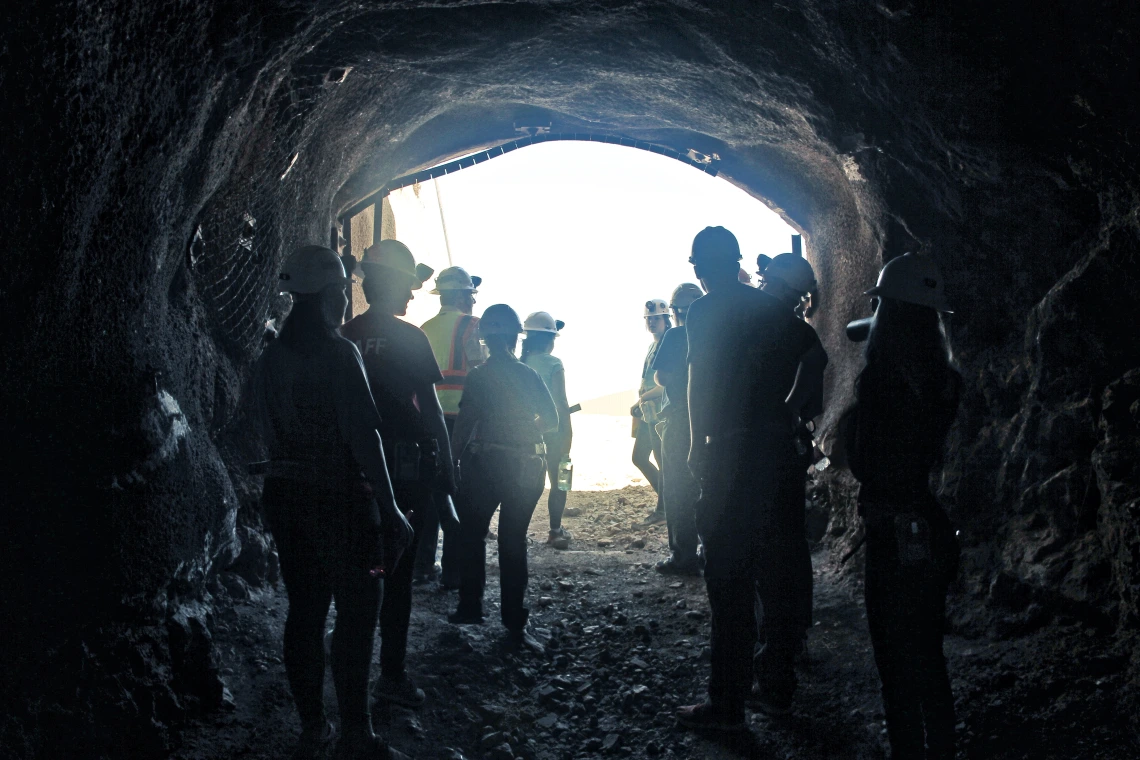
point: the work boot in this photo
(559, 538)
(520, 640)
(365, 745)
(673, 566)
(707, 718)
(466, 617)
(398, 691)
(765, 701)
(313, 744)
(656, 517)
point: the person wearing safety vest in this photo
(646, 412)
(453, 335)
(906, 399)
(541, 330)
(329, 503)
(402, 373)
(505, 411)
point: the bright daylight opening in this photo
(587, 232)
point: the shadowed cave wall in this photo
(163, 157)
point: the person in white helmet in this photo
(328, 500)
(537, 353)
(906, 399)
(505, 411)
(745, 352)
(646, 412)
(454, 338)
(679, 489)
(790, 278)
(402, 373)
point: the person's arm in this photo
(432, 414)
(470, 411)
(558, 393)
(653, 393)
(545, 408)
(358, 421)
(699, 391)
(809, 379)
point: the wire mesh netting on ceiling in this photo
(238, 243)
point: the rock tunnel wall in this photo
(162, 158)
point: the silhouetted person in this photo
(504, 412)
(541, 330)
(679, 488)
(906, 398)
(328, 500)
(402, 373)
(454, 338)
(789, 278)
(745, 352)
(646, 411)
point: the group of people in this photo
(380, 432)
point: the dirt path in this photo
(627, 647)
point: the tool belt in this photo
(413, 461)
(920, 531)
(529, 458)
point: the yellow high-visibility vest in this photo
(450, 333)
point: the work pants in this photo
(751, 532)
(325, 553)
(493, 479)
(646, 442)
(429, 536)
(906, 608)
(396, 609)
(556, 500)
(680, 489)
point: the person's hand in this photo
(635, 410)
(401, 532)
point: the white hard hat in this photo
(456, 278)
(914, 279)
(793, 270)
(500, 319)
(541, 321)
(311, 269)
(656, 307)
(394, 255)
(685, 294)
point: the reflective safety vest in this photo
(452, 335)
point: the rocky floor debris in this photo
(627, 646)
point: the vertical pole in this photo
(797, 245)
(442, 221)
(349, 261)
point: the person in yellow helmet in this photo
(454, 337)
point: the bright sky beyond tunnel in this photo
(585, 231)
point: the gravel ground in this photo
(627, 646)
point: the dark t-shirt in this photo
(398, 359)
(747, 347)
(896, 431)
(503, 395)
(672, 362)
